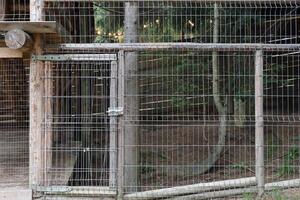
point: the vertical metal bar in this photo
(48, 119)
(121, 82)
(259, 129)
(113, 124)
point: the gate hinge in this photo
(53, 189)
(115, 111)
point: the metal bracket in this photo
(50, 58)
(53, 189)
(115, 112)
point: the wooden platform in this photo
(31, 27)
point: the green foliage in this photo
(248, 196)
(240, 166)
(288, 167)
(277, 195)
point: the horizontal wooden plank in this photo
(10, 53)
(30, 27)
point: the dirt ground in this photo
(187, 145)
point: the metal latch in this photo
(115, 111)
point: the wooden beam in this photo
(36, 104)
(10, 53)
(30, 27)
(36, 109)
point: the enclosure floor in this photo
(14, 157)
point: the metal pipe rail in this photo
(179, 46)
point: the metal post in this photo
(259, 129)
(113, 124)
(121, 83)
(131, 100)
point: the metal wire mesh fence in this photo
(14, 130)
(178, 123)
(196, 97)
(281, 82)
(77, 120)
(177, 21)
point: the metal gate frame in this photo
(114, 111)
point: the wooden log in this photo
(18, 39)
(283, 184)
(259, 129)
(192, 189)
(217, 194)
(226, 193)
(131, 109)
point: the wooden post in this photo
(113, 124)
(121, 83)
(131, 138)
(36, 106)
(259, 130)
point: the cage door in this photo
(80, 120)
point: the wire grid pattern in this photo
(281, 116)
(78, 123)
(14, 10)
(14, 126)
(178, 123)
(176, 21)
